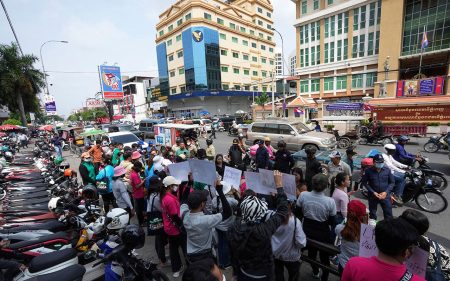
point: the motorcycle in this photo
(366, 137)
(345, 140)
(435, 178)
(435, 143)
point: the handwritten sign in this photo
(267, 179)
(289, 186)
(253, 181)
(367, 246)
(417, 262)
(203, 171)
(232, 176)
(180, 170)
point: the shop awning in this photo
(441, 99)
(302, 102)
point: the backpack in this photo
(435, 273)
(155, 224)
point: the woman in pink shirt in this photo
(339, 193)
(137, 186)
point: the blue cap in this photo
(378, 158)
(150, 142)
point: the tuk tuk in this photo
(166, 134)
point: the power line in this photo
(12, 27)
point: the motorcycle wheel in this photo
(431, 201)
(343, 143)
(363, 141)
(439, 182)
(430, 147)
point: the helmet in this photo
(133, 237)
(55, 204)
(209, 141)
(89, 191)
(281, 143)
(241, 136)
(68, 173)
(63, 166)
(403, 138)
(119, 218)
(389, 146)
(368, 162)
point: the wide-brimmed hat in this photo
(119, 171)
(169, 180)
(135, 155)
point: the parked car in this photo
(296, 135)
(127, 138)
(202, 122)
(126, 128)
(147, 127)
(88, 128)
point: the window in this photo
(237, 87)
(161, 32)
(317, 30)
(271, 50)
(306, 34)
(327, 27)
(341, 83)
(169, 42)
(224, 68)
(183, 89)
(255, 88)
(331, 51)
(326, 52)
(264, 89)
(370, 79)
(345, 22)
(220, 21)
(377, 42)
(269, 26)
(357, 81)
(302, 57)
(180, 54)
(362, 40)
(260, 10)
(339, 50)
(232, 25)
(225, 87)
(181, 71)
(372, 14)
(370, 48)
(339, 31)
(263, 60)
(328, 84)
(330, 2)
(269, 15)
(271, 62)
(247, 88)
(362, 23)
(173, 91)
(316, 4)
(345, 51)
(245, 42)
(245, 57)
(332, 21)
(223, 36)
(304, 86)
(261, 35)
(263, 47)
(172, 74)
(260, 22)
(187, 16)
(234, 39)
(304, 7)
(243, 29)
(355, 19)
(255, 73)
(306, 57)
(315, 85)
(378, 12)
(254, 45)
(171, 58)
(254, 59)
(252, 32)
(313, 55)
(179, 22)
(355, 47)
(318, 54)
(313, 32)
(264, 73)
(178, 38)
(207, 16)
(236, 70)
(235, 55)
(170, 28)
(246, 72)
(223, 52)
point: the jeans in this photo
(223, 255)
(108, 200)
(399, 183)
(385, 205)
(293, 269)
(160, 244)
(58, 151)
(176, 242)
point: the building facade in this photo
(134, 106)
(359, 51)
(214, 56)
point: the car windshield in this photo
(300, 126)
(125, 138)
(125, 128)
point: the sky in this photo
(99, 31)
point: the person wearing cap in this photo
(199, 227)
(349, 232)
(398, 170)
(235, 154)
(210, 150)
(270, 149)
(336, 165)
(182, 150)
(319, 217)
(120, 190)
(138, 194)
(284, 161)
(251, 236)
(400, 153)
(106, 175)
(262, 158)
(97, 153)
(170, 209)
(87, 169)
(313, 166)
(379, 182)
(349, 153)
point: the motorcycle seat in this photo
(73, 273)
(53, 226)
(51, 259)
(45, 238)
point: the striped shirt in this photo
(316, 206)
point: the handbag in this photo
(179, 227)
(435, 273)
(155, 224)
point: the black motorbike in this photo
(366, 137)
(433, 177)
(435, 143)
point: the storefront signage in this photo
(93, 103)
(428, 86)
(344, 106)
(425, 113)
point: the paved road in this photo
(439, 229)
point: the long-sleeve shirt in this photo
(400, 153)
(378, 181)
(262, 158)
(121, 194)
(284, 161)
(392, 164)
(106, 175)
(288, 240)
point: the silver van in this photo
(295, 134)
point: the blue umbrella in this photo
(204, 112)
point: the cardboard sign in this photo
(367, 246)
(253, 182)
(417, 262)
(267, 179)
(232, 176)
(180, 171)
(289, 186)
(203, 171)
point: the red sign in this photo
(439, 88)
(112, 95)
(423, 113)
(400, 85)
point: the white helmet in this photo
(389, 146)
(54, 203)
(119, 218)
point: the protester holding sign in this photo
(394, 239)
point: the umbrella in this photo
(92, 133)
(117, 117)
(240, 112)
(204, 112)
(9, 127)
(46, 128)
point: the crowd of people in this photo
(212, 228)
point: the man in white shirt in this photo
(336, 165)
(398, 170)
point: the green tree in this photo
(93, 114)
(261, 101)
(20, 81)
(11, 121)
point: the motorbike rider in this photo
(398, 170)
(241, 141)
(234, 128)
(235, 154)
(400, 153)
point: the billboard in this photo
(423, 113)
(111, 82)
(423, 87)
(94, 103)
(50, 105)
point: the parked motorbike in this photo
(436, 143)
(346, 140)
(365, 137)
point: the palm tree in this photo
(20, 81)
(261, 101)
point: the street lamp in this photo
(283, 66)
(42, 61)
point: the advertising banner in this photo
(344, 106)
(422, 87)
(50, 105)
(94, 103)
(111, 82)
(425, 113)
(426, 86)
(410, 88)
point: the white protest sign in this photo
(203, 171)
(253, 182)
(289, 186)
(232, 176)
(367, 246)
(267, 179)
(417, 262)
(180, 170)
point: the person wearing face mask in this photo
(97, 153)
(199, 227)
(170, 209)
(87, 169)
(379, 181)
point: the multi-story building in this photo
(215, 55)
(292, 63)
(363, 50)
(278, 64)
(134, 105)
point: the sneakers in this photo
(397, 199)
(177, 273)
